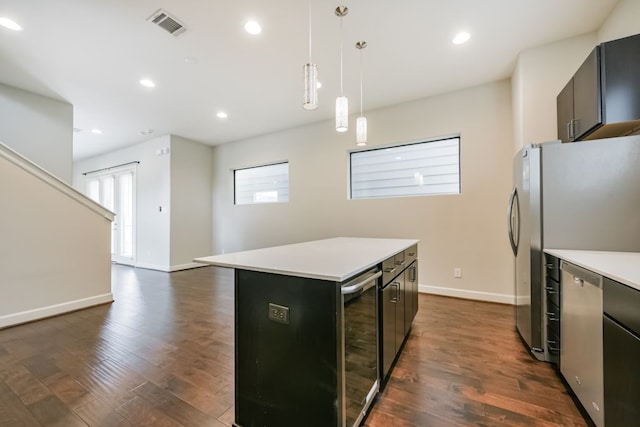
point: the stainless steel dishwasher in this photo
(581, 337)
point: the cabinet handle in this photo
(550, 290)
(412, 254)
(389, 270)
(578, 281)
(394, 300)
(551, 316)
(550, 345)
(549, 266)
(400, 262)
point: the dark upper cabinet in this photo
(621, 77)
(602, 99)
(565, 112)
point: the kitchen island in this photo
(306, 328)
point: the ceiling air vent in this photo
(169, 23)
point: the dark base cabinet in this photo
(552, 312)
(621, 375)
(621, 358)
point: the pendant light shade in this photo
(361, 122)
(310, 86)
(310, 77)
(342, 103)
(361, 131)
(342, 114)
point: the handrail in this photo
(55, 182)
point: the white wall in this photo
(539, 76)
(466, 230)
(152, 192)
(542, 72)
(54, 251)
(622, 22)
(191, 201)
(180, 182)
(39, 128)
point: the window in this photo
(416, 169)
(262, 184)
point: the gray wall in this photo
(466, 230)
(39, 128)
(191, 207)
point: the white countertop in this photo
(332, 259)
(623, 267)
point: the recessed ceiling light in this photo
(221, 115)
(253, 28)
(96, 131)
(461, 37)
(146, 132)
(10, 24)
(147, 83)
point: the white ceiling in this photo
(92, 53)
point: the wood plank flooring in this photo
(162, 355)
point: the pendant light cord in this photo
(341, 89)
(361, 82)
(309, 31)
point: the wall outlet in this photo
(279, 313)
(457, 272)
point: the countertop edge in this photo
(211, 260)
(577, 257)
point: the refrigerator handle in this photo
(514, 235)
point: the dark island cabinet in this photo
(602, 99)
(398, 301)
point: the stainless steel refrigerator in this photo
(582, 195)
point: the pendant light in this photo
(342, 103)
(361, 122)
(310, 77)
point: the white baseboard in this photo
(164, 268)
(53, 310)
(466, 294)
(187, 266)
(170, 268)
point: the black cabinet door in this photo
(411, 296)
(621, 77)
(399, 283)
(565, 112)
(621, 375)
(587, 106)
(388, 305)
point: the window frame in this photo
(256, 166)
(404, 144)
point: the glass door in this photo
(115, 190)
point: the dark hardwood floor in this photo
(162, 355)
